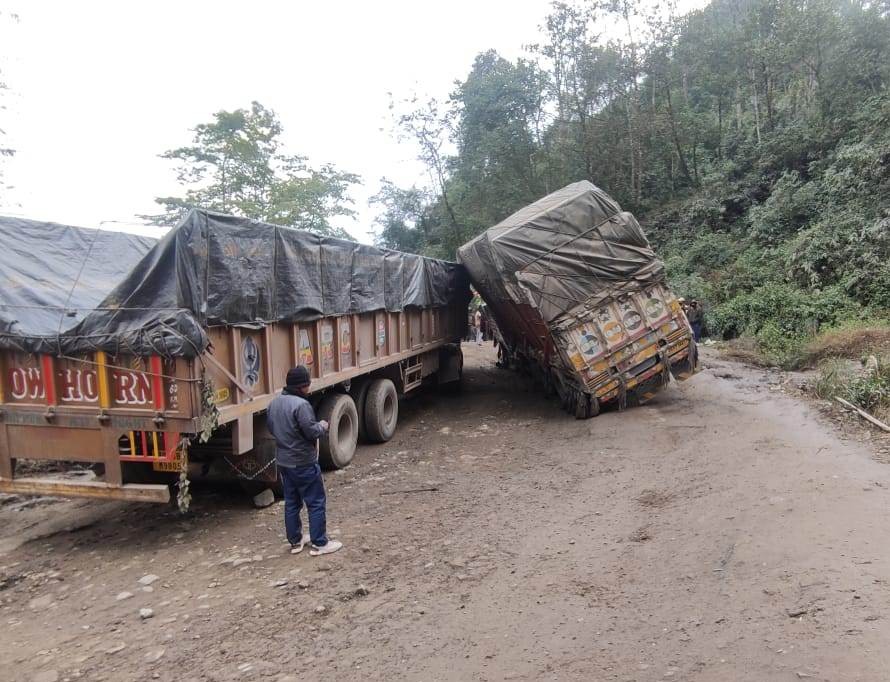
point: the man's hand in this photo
(325, 425)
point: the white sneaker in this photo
(297, 548)
(330, 548)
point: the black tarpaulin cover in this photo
(213, 269)
(573, 246)
(52, 275)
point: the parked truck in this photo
(152, 359)
(580, 300)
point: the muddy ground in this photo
(724, 531)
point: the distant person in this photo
(292, 423)
(694, 315)
(486, 323)
(477, 323)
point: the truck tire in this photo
(359, 391)
(381, 410)
(337, 447)
(587, 406)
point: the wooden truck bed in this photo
(117, 409)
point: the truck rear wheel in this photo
(587, 406)
(337, 447)
(359, 391)
(381, 410)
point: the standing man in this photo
(477, 322)
(292, 423)
(694, 315)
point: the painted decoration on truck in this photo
(381, 333)
(653, 305)
(630, 316)
(654, 308)
(173, 386)
(306, 357)
(129, 384)
(79, 386)
(609, 325)
(26, 383)
(131, 388)
(577, 361)
(327, 346)
(250, 361)
(590, 345)
(345, 340)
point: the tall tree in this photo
(404, 221)
(429, 128)
(496, 108)
(234, 165)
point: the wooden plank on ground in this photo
(131, 492)
(865, 415)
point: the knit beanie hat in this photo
(298, 376)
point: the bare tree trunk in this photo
(755, 102)
(224, 182)
(630, 145)
(672, 175)
(684, 169)
(768, 91)
(440, 175)
(738, 106)
(634, 110)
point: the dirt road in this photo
(724, 531)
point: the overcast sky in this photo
(99, 89)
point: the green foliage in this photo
(872, 389)
(833, 377)
(235, 166)
(790, 206)
(402, 222)
(868, 388)
(783, 309)
(752, 138)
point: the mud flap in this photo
(256, 468)
(685, 368)
(451, 364)
(587, 406)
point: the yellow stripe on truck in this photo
(104, 391)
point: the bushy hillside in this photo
(751, 138)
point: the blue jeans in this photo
(304, 484)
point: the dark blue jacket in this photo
(292, 423)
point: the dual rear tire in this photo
(381, 411)
(337, 447)
(380, 415)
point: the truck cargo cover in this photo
(51, 274)
(144, 298)
(571, 248)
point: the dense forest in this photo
(751, 138)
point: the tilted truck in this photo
(156, 358)
(580, 300)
